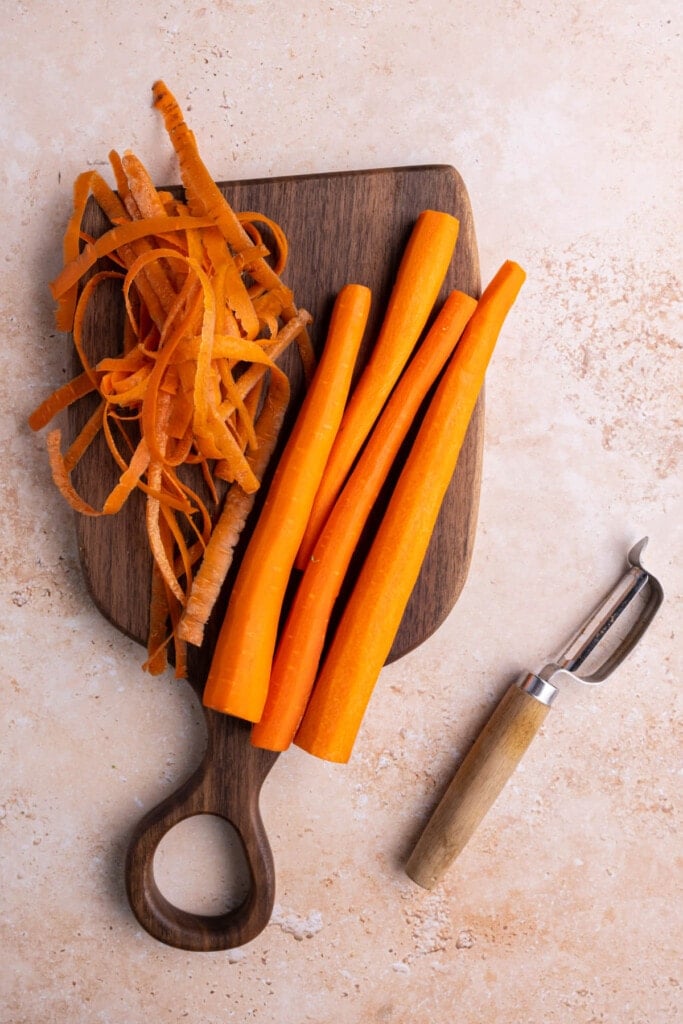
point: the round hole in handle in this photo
(200, 866)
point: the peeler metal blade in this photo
(608, 634)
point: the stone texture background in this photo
(564, 120)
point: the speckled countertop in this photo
(563, 120)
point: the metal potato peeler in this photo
(600, 644)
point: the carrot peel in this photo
(195, 386)
(239, 675)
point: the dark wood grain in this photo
(227, 783)
(341, 227)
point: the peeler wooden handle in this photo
(227, 784)
(480, 778)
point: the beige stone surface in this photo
(564, 120)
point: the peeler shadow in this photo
(435, 784)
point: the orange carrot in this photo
(237, 682)
(373, 614)
(303, 637)
(419, 279)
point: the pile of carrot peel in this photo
(196, 386)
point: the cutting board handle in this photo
(227, 784)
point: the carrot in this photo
(419, 279)
(238, 678)
(303, 637)
(373, 613)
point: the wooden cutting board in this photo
(341, 227)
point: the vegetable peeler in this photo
(615, 626)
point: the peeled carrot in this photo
(238, 678)
(373, 614)
(303, 637)
(421, 274)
